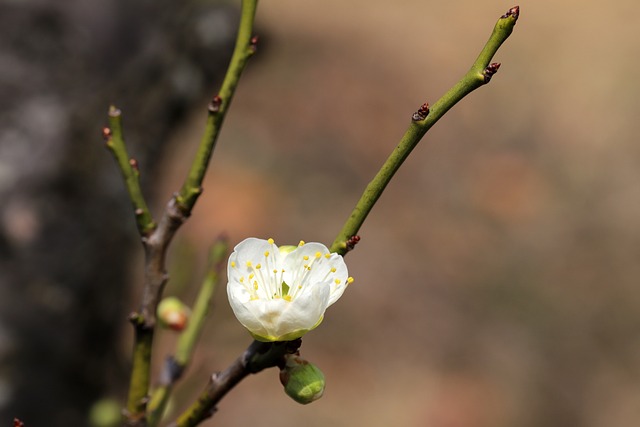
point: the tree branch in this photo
(156, 239)
(245, 47)
(259, 356)
(129, 169)
(175, 366)
(422, 120)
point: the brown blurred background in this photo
(496, 280)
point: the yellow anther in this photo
(241, 279)
(248, 263)
(337, 281)
(301, 243)
(318, 254)
(299, 286)
(233, 264)
(327, 256)
(254, 297)
(251, 276)
(306, 257)
(350, 280)
(306, 266)
(287, 298)
(258, 266)
(333, 269)
(270, 240)
(275, 271)
(255, 285)
(266, 253)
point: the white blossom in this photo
(279, 294)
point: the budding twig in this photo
(246, 46)
(478, 75)
(156, 238)
(175, 366)
(129, 168)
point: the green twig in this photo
(245, 48)
(129, 168)
(175, 214)
(176, 365)
(479, 75)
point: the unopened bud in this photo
(303, 381)
(173, 314)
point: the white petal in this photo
(322, 265)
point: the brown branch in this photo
(257, 357)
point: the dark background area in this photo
(496, 280)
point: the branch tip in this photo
(422, 113)
(490, 71)
(114, 111)
(514, 12)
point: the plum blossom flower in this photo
(279, 294)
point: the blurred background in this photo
(496, 279)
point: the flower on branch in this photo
(281, 293)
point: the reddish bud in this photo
(254, 44)
(106, 132)
(173, 314)
(513, 12)
(134, 164)
(352, 242)
(422, 113)
(490, 71)
(214, 105)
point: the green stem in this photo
(186, 343)
(128, 167)
(140, 375)
(245, 47)
(478, 75)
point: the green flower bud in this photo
(302, 380)
(105, 413)
(173, 314)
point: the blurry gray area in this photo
(66, 229)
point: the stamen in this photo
(287, 298)
(258, 266)
(249, 264)
(333, 269)
(266, 253)
(337, 281)
(301, 243)
(270, 240)
(233, 264)
(350, 280)
(318, 254)
(306, 257)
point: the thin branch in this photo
(175, 366)
(129, 169)
(422, 120)
(245, 47)
(257, 357)
(176, 213)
